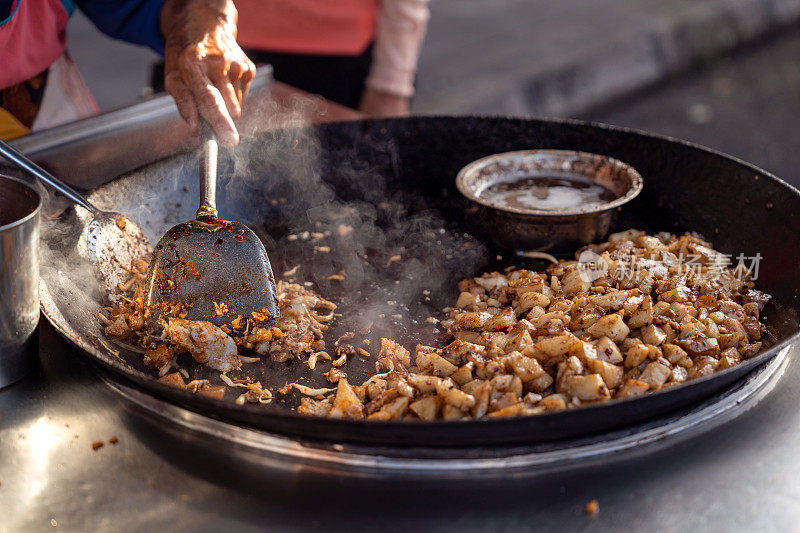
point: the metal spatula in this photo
(211, 269)
(113, 241)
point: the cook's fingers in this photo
(238, 88)
(234, 76)
(229, 95)
(248, 73)
(235, 70)
(174, 85)
(219, 71)
(211, 105)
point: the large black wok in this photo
(393, 181)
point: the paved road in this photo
(747, 105)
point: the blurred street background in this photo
(722, 73)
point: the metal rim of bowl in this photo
(33, 213)
(637, 183)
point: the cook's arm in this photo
(401, 30)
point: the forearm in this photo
(401, 30)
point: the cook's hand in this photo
(380, 104)
(205, 70)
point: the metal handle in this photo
(208, 173)
(54, 183)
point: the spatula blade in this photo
(218, 271)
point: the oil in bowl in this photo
(548, 193)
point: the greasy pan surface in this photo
(394, 181)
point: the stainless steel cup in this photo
(19, 277)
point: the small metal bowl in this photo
(523, 229)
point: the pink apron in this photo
(32, 40)
(33, 37)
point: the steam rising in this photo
(396, 254)
(72, 287)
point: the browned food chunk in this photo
(158, 356)
(346, 403)
(174, 379)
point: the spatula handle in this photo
(208, 173)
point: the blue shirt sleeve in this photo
(134, 21)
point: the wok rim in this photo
(197, 403)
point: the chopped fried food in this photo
(346, 404)
(204, 388)
(393, 355)
(334, 375)
(298, 332)
(174, 379)
(118, 327)
(311, 407)
(158, 356)
(531, 342)
(652, 312)
(303, 314)
(343, 351)
(255, 394)
(344, 337)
